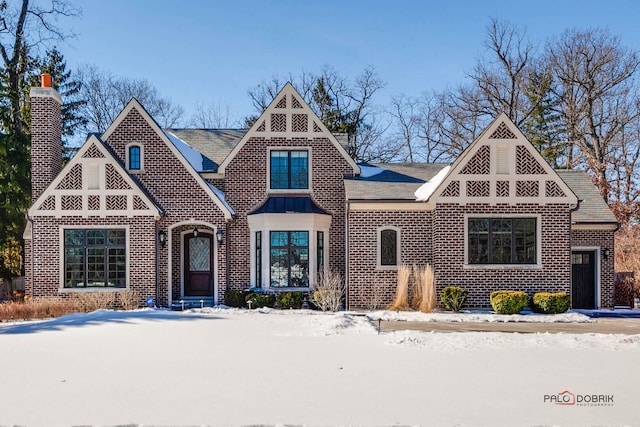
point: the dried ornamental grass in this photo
(401, 302)
(427, 285)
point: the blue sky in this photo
(206, 52)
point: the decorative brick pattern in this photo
(526, 164)
(295, 103)
(93, 203)
(138, 203)
(262, 127)
(316, 127)
(299, 122)
(370, 287)
(452, 190)
(116, 202)
(282, 103)
(72, 180)
(503, 132)
(527, 189)
(477, 188)
(552, 189)
(49, 204)
(278, 122)
(71, 203)
(449, 243)
(93, 152)
(480, 163)
(115, 181)
(502, 188)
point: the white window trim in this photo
(135, 144)
(290, 190)
(61, 229)
(379, 265)
(312, 223)
(538, 263)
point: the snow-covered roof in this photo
(221, 196)
(426, 190)
(197, 160)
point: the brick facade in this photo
(46, 142)
(599, 239)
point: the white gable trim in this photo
(507, 147)
(288, 91)
(99, 165)
(134, 104)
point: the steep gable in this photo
(131, 118)
(288, 116)
(94, 183)
(502, 167)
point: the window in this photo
(289, 259)
(502, 241)
(94, 258)
(134, 155)
(388, 247)
(289, 170)
(258, 259)
(320, 251)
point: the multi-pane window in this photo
(289, 256)
(95, 258)
(502, 241)
(289, 170)
(258, 259)
(388, 247)
(135, 158)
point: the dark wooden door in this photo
(583, 278)
(198, 265)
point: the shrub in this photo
(290, 300)
(260, 300)
(508, 302)
(235, 298)
(96, 300)
(329, 291)
(401, 302)
(453, 297)
(129, 300)
(625, 291)
(550, 302)
(37, 309)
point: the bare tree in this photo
(214, 116)
(107, 95)
(595, 75)
(23, 26)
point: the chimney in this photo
(46, 136)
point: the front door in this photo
(198, 265)
(583, 278)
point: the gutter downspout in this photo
(346, 254)
(157, 230)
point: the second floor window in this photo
(135, 158)
(289, 170)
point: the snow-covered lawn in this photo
(236, 367)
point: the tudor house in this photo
(185, 214)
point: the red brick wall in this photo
(449, 243)
(175, 190)
(369, 286)
(47, 253)
(246, 189)
(602, 239)
(46, 143)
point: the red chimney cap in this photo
(45, 80)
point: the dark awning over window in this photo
(291, 204)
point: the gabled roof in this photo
(592, 208)
(73, 187)
(502, 166)
(390, 181)
(289, 116)
(216, 144)
(134, 104)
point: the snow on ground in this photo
(238, 367)
(479, 316)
